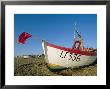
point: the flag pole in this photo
(37, 38)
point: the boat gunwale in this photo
(73, 50)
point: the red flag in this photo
(22, 37)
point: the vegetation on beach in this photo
(36, 66)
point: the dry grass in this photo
(38, 67)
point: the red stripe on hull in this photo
(72, 50)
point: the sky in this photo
(57, 29)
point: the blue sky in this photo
(54, 28)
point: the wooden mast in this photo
(77, 40)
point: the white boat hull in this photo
(57, 57)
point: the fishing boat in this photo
(58, 57)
